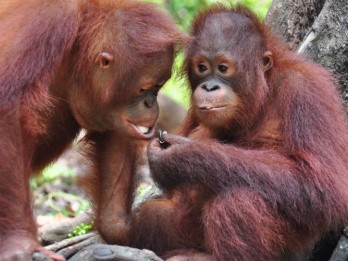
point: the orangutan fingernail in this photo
(162, 142)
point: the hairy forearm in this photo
(217, 165)
(220, 167)
(111, 183)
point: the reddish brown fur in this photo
(51, 86)
(270, 181)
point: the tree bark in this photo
(341, 251)
(291, 19)
(318, 29)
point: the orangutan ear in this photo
(267, 60)
(104, 59)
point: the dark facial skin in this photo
(214, 97)
(143, 112)
(217, 76)
(213, 69)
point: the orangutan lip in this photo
(209, 108)
(143, 131)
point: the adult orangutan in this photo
(67, 65)
(261, 169)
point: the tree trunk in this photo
(317, 28)
(292, 19)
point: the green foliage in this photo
(48, 188)
(184, 11)
(142, 189)
(259, 7)
(81, 229)
(52, 201)
(50, 173)
(177, 87)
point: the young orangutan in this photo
(260, 171)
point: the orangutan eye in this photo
(202, 67)
(105, 63)
(223, 68)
